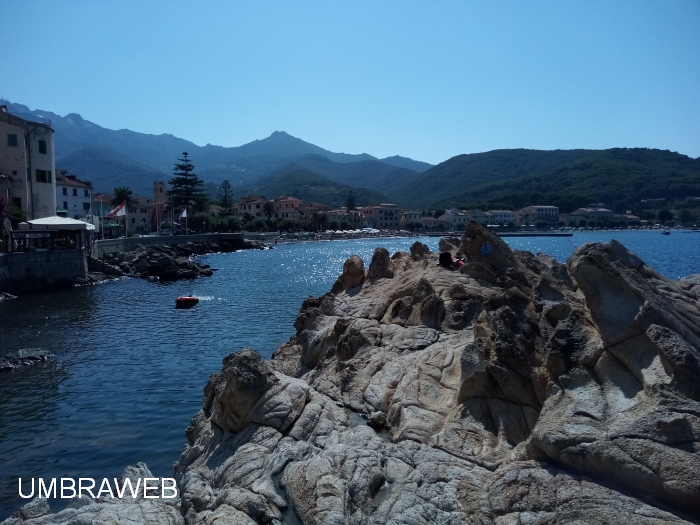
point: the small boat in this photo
(665, 232)
(186, 302)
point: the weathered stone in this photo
(517, 391)
(353, 274)
(419, 250)
(381, 265)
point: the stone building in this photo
(27, 160)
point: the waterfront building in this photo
(530, 215)
(478, 216)
(594, 212)
(73, 195)
(286, 207)
(432, 224)
(140, 221)
(307, 210)
(27, 162)
(384, 216)
(409, 216)
(455, 219)
(502, 217)
(252, 204)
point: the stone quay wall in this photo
(23, 272)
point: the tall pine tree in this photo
(186, 186)
(225, 199)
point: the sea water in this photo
(130, 368)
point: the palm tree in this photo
(124, 194)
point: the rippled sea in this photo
(130, 369)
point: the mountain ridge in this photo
(240, 164)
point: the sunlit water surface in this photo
(130, 369)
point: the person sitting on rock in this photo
(445, 260)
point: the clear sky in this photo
(427, 80)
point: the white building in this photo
(530, 215)
(73, 196)
(409, 216)
(455, 219)
(27, 160)
(479, 216)
(502, 217)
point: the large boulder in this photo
(353, 274)
(381, 265)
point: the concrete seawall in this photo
(22, 272)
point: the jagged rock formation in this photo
(515, 390)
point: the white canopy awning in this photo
(55, 223)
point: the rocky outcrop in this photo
(23, 357)
(106, 511)
(164, 262)
(517, 390)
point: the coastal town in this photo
(47, 191)
(359, 263)
(56, 227)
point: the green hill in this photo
(371, 174)
(302, 183)
(618, 177)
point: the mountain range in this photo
(283, 164)
(109, 157)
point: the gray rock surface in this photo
(105, 511)
(23, 357)
(520, 390)
(164, 262)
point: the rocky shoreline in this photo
(510, 389)
(162, 262)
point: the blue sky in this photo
(427, 80)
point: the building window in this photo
(86, 206)
(133, 221)
(42, 146)
(12, 139)
(75, 192)
(65, 205)
(87, 193)
(43, 176)
(65, 191)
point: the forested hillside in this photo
(308, 186)
(617, 177)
